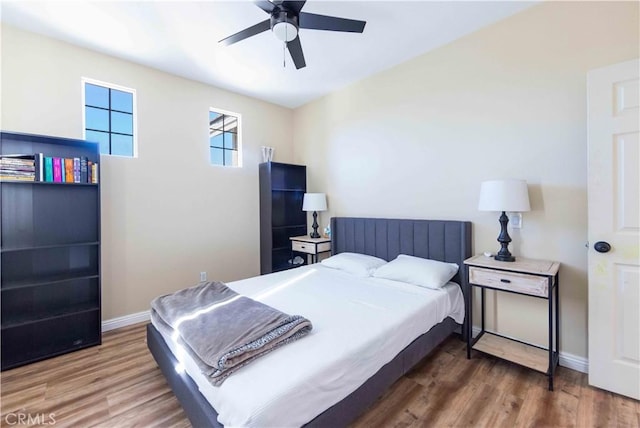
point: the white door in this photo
(614, 218)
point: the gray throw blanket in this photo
(224, 329)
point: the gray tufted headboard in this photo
(444, 240)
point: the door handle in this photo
(602, 247)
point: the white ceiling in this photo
(180, 37)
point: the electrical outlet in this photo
(203, 276)
(515, 220)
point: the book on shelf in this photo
(76, 170)
(83, 170)
(68, 167)
(15, 157)
(48, 169)
(39, 164)
(17, 167)
(57, 170)
(6, 177)
(94, 173)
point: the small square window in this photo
(224, 141)
(109, 118)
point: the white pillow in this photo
(357, 264)
(418, 271)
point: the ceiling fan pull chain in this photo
(284, 49)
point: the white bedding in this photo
(359, 325)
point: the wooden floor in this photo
(119, 385)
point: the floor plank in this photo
(118, 384)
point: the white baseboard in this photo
(574, 362)
(125, 321)
(567, 360)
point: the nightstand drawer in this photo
(303, 247)
(511, 281)
(324, 247)
(310, 247)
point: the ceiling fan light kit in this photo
(284, 27)
(285, 21)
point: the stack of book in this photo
(17, 168)
(52, 169)
(69, 170)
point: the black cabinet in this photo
(49, 256)
(282, 189)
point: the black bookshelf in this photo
(49, 257)
(282, 189)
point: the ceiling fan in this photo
(285, 21)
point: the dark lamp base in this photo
(503, 258)
(315, 233)
(504, 255)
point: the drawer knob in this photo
(506, 281)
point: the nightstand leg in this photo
(469, 303)
(551, 329)
(557, 280)
(482, 304)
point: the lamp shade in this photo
(314, 202)
(504, 195)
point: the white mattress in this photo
(359, 325)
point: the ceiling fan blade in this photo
(294, 6)
(247, 32)
(295, 49)
(265, 5)
(330, 23)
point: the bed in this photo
(448, 241)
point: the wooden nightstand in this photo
(535, 278)
(312, 246)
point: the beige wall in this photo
(168, 214)
(507, 101)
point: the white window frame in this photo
(239, 134)
(134, 111)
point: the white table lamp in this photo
(314, 202)
(503, 196)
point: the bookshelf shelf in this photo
(46, 280)
(45, 247)
(50, 256)
(47, 316)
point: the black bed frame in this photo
(448, 241)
